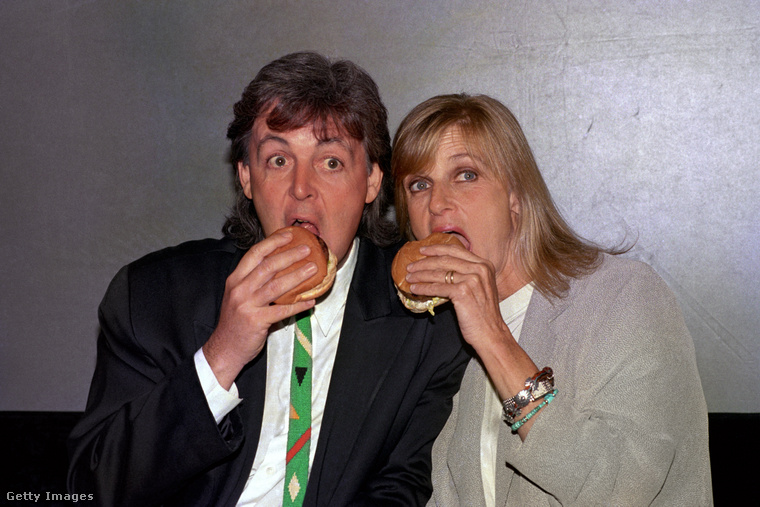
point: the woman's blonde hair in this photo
(547, 249)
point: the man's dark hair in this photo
(307, 88)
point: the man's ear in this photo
(374, 181)
(244, 175)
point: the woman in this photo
(619, 417)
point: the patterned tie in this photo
(299, 427)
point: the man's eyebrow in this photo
(267, 138)
(339, 140)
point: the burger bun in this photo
(409, 253)
(320, 254)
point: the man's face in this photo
(294, 178)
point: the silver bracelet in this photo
(536, 387)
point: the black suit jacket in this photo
(148, 437)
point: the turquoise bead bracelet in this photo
(547, 399)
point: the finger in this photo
(277, 286)
(444, 263)
(273, 265)
(440, 255)
(277, 264)
(470, 296)
(261, 250)
(450, 250)
(429, 276)
(432, 289)
(468, 279)
(442, 279)
(282, 312)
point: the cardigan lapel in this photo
(464, 449)
(538, 325)
(371, 337)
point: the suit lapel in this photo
(370, 340)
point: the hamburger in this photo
(320, 254)
(409, 253)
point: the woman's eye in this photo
(417, 186)
(468, 176)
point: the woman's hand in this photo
(470, 283)
(471, 287)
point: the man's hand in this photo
(247, 313)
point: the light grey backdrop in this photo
(644, 117)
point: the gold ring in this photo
(449, 277)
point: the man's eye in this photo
(332, 164)
(278, 161)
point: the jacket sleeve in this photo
(629, 424)
(147, 429)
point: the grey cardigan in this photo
(629, 424)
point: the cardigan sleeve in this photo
(629, 424)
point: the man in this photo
(189, 403)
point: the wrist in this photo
(224, 368)
(536, 387)
(507, 364)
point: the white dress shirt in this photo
(265, 485)
(513, 312)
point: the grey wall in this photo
(644, 117)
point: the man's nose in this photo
(303, 182)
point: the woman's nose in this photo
(440, 199)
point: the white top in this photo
(513, 312)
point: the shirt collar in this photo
(331, 305)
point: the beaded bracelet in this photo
(547, 399)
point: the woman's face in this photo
(458, 194)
